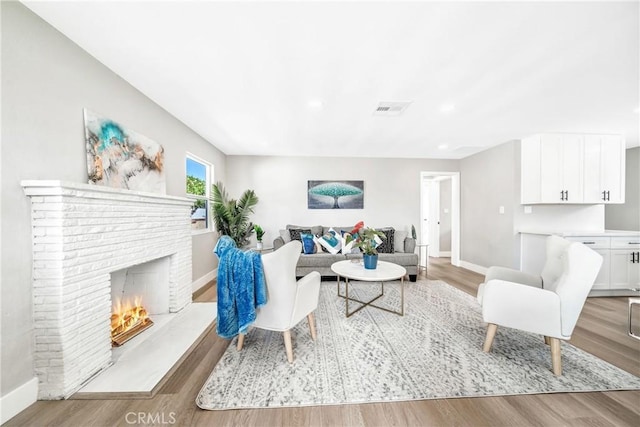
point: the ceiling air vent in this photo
(393, 108)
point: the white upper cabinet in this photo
(604, 168)
(572, 168)
(561, 168)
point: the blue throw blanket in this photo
(241, 287)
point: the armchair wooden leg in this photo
(547, 340)
(491, 333)
(312, 326)
(556, 359)
(288, 346)
(240, 341)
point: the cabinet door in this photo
(602, 281)
(593, 192)
(530, 172)
(612, 167)
(571, 168)
(625, 274)
(561, 168)
(551, 189)
(604, 165)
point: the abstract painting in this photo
(122, 158)
(335, 194)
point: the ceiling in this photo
(305, 78)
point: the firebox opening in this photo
(137, 294)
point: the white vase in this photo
(259, 245)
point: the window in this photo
(199, 177)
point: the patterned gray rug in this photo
(434, 351)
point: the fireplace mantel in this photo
(81, 233)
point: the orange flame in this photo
(126, 316)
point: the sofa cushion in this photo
(403, 259)
(331, 241)
(295, 233)
(399, 237)
(308, 243)
(387, 246)
(319, 260)
(316, 230)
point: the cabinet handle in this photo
(608, 195)
(566, 195)
(589, 243)
(604, 195)
(562, 195)
(634, 243)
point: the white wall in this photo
(491, 179)
(391, 189)
(626, 216)
(46, 82)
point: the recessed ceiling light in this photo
(315, 104)
(447, 108)
(443, 147)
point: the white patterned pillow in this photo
(332, 241)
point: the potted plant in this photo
(367, 239)
(231, 217)
(259, 233)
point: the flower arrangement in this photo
(365, 238)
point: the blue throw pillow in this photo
(308, 243)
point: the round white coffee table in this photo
(385, 272)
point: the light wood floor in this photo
(601, 331)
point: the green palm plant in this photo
(231, 217)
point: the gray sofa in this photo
(403, 253)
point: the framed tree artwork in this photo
(335, 194)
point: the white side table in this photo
(632, 302)
(263, 250)
(426, 256)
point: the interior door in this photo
(430, 230)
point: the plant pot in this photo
(259, 245)
(370, 261)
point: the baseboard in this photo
(18, 400)
(204, 280)
(473, 267)
(445, 254)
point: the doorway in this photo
(440, 215)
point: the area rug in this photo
(433, 351)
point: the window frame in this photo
(207, 196)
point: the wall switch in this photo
(528, 209)
(501, 210)
(446, 210)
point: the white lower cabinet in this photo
(603, 279)
(620, 261)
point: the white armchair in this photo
(288, 300)
(551, 311)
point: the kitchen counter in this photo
(579, 233)
(620, 251)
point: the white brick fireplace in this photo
(81, 234)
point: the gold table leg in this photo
(369, 303)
